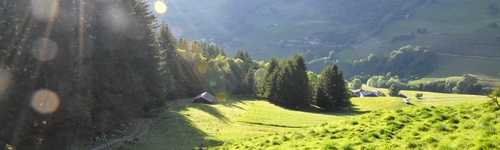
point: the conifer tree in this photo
(296, 83)
(287, 83)
(331, 93)
(167, 61)
(103, 73)
(243, 55)
(59, 70)
(126, 76)
(270, 86)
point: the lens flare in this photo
(44, 49)
(45, 101)
(116, 19)
(44, 10)
(160, 7)
(221, 96)
(212, 83)
(202, 67)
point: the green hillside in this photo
(185, 125)
(463, 32)
(264, 74)
(459, 127)
(464, 27)
(454, 65)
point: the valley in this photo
(185, 125)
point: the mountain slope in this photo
(351, 29)
(284, 24)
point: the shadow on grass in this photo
(348, 111)
(271, 125)
(210, 109)
(352, 111)
(235, 103)
(172, 130)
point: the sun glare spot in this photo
(212, 83)
(202, 68)
(160, 7)
(45, 101)
(221, 96)
(116, 19)
(44, 10)
(44, 49)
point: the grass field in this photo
(185, 125)
(459, 127)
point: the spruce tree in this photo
(243, 55)
(299, 83)
(270, 85)
(341, 93)
(287, 83)
(281, 86)
(102, 74)
(8, 26)
(167, 61)
(126, 77)
(61, 72)
(249, 83)
(331, 93)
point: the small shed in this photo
(205, 97)
(364, 93)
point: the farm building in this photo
(205, 97)
(365, 93)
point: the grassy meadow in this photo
(185, 125)
(429, 127)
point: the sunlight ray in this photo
(81, 28)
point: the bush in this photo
(468, 84)
(377, 81)
(419, 95)
(405, 62)
(495, 94)
(394, 90)
(356, 84)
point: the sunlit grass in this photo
(459, 127)
(186, 125)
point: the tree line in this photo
(409, 62)
(91, 67)
(191, 67)
(467, 84)
(289, 84)
(77, 69)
